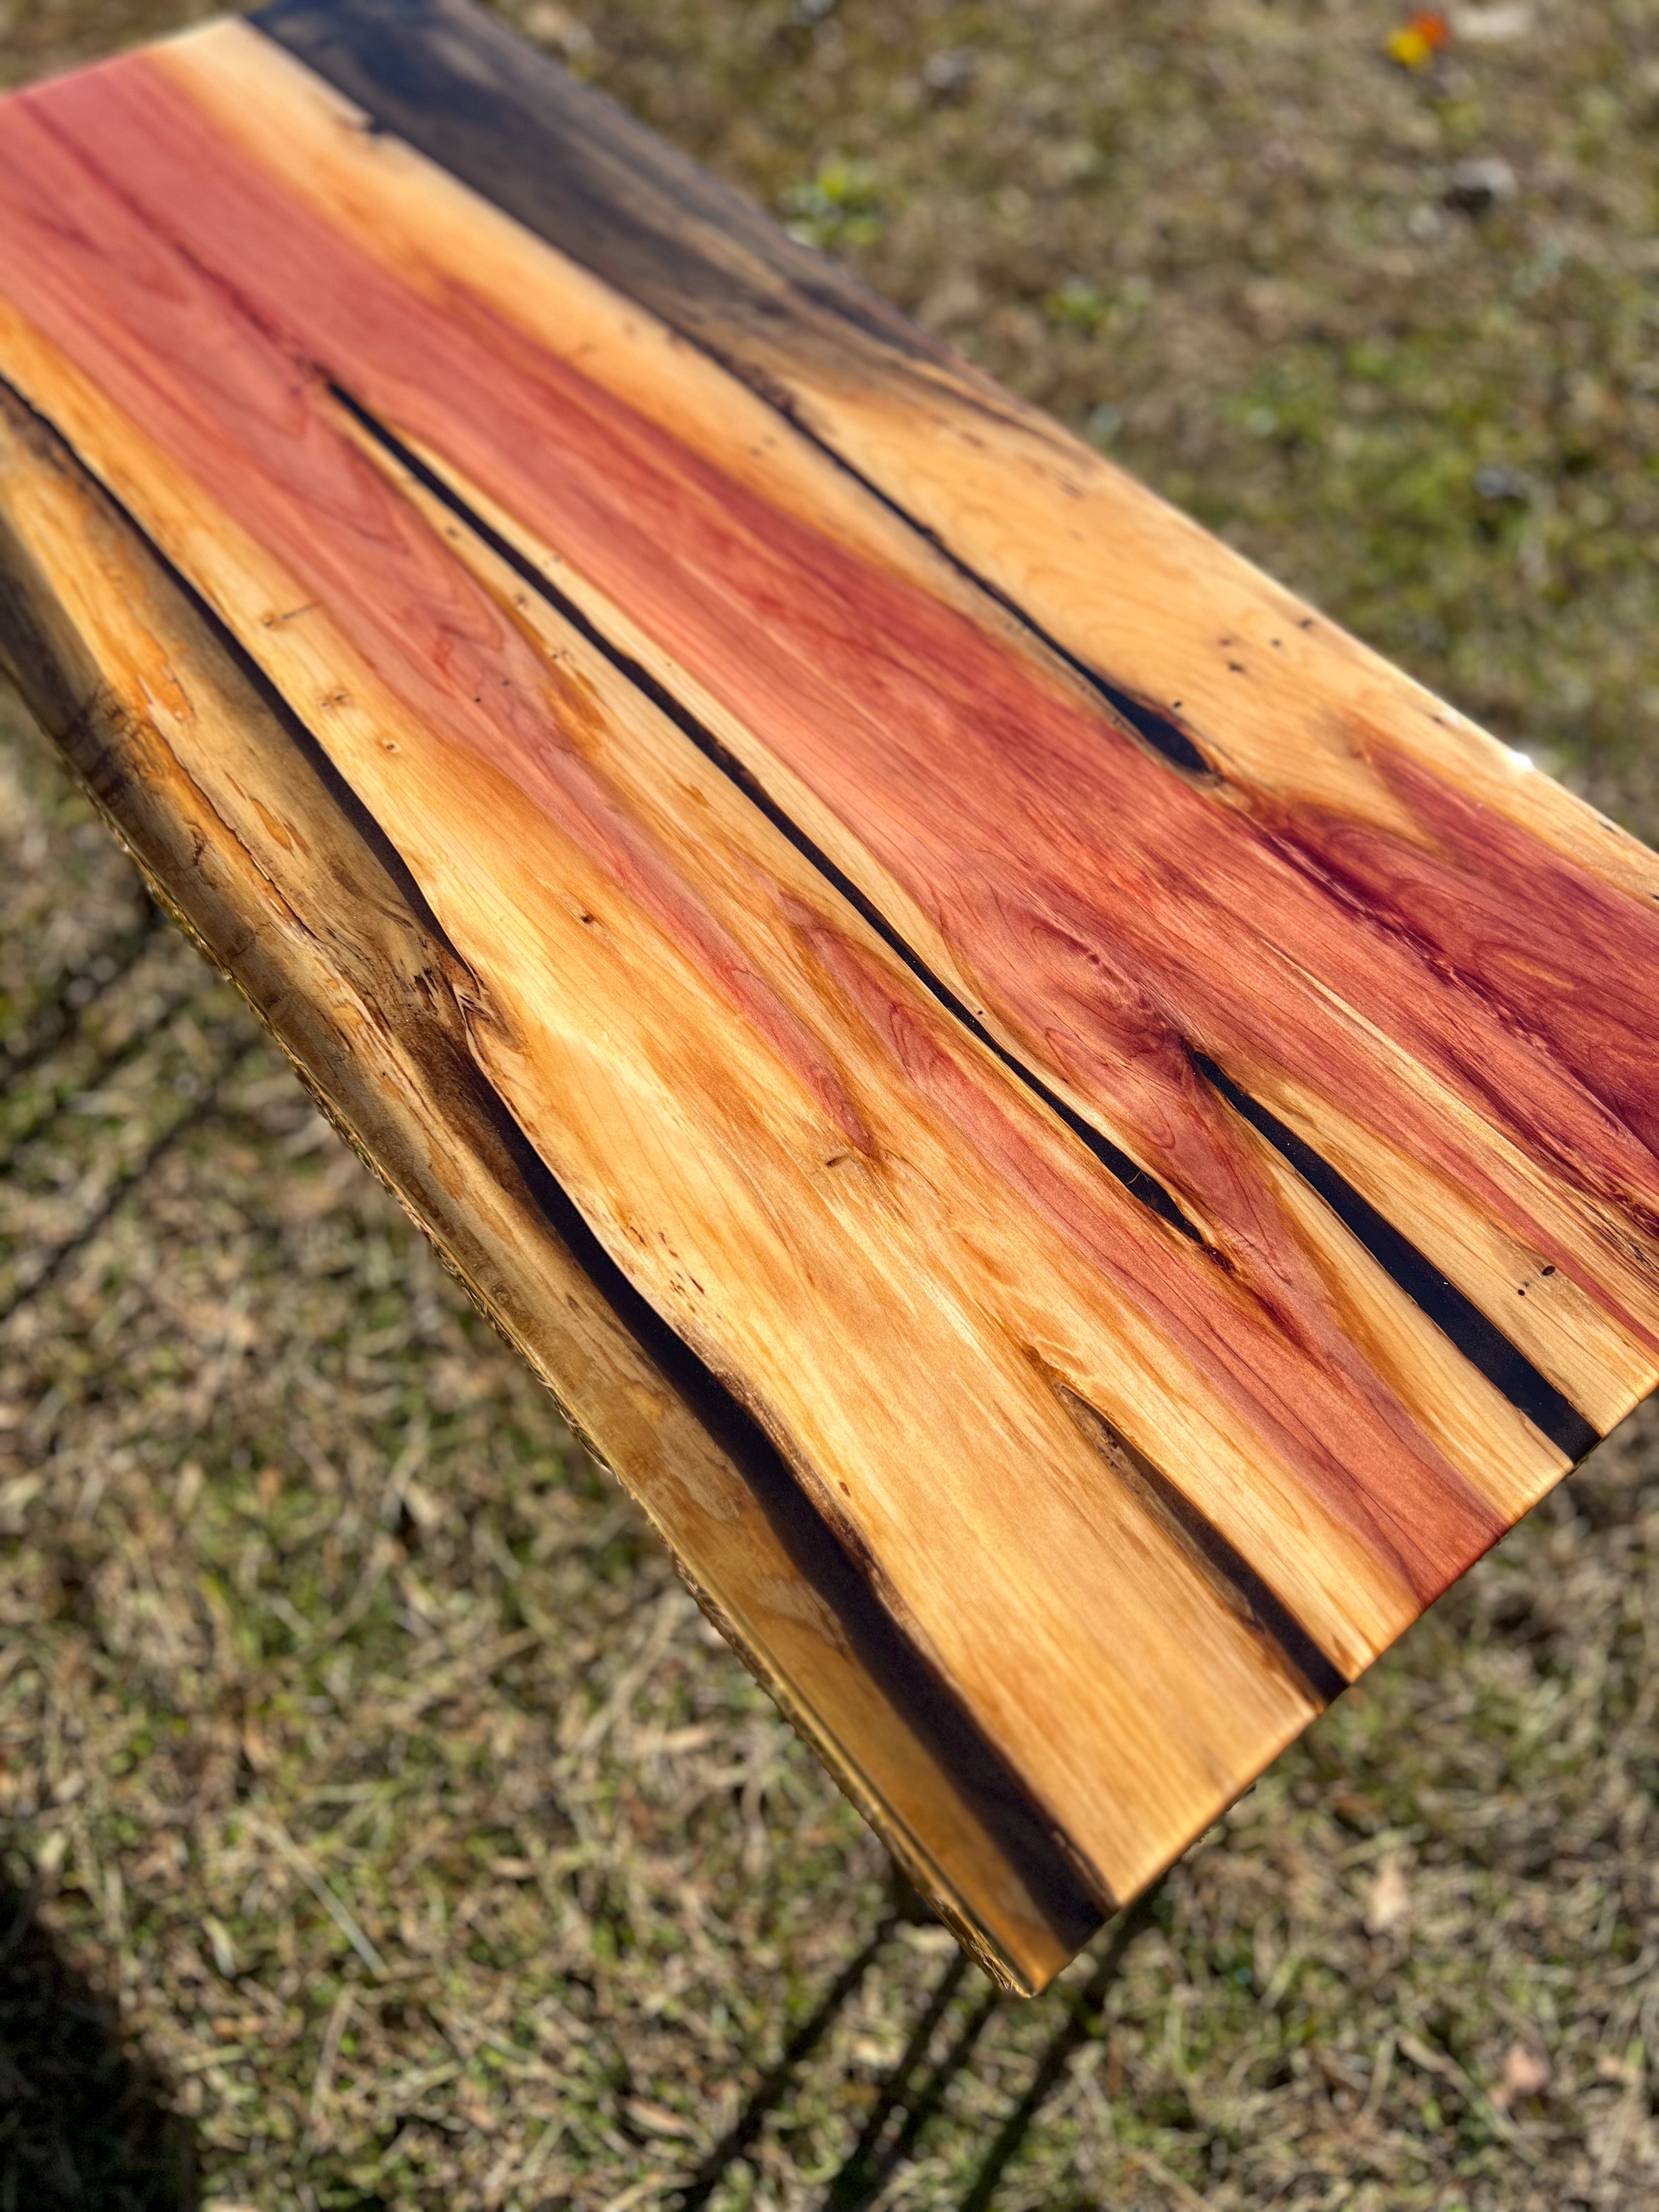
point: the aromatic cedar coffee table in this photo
(1080, 1143)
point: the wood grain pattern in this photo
(1148, 1115)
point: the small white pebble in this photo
(1493, 25)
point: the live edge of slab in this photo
(1081, 1144)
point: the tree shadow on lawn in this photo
(85, 2121)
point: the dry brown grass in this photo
(383, 1827)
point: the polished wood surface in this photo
(1082, 1145)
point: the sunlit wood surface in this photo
(1082, 1144)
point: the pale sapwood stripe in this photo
(245, 844)
(432, 231)
(1097, 1638)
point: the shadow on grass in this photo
(84, 2120)
(86, 2123)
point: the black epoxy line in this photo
(978, 1770)
(1322, 1676)
(1481, 1342)
(1159, 731)
(1135, 1178)
(486, 136)
(1267, 1612)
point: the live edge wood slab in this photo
(1082, 1145)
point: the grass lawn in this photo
(379, 1824)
